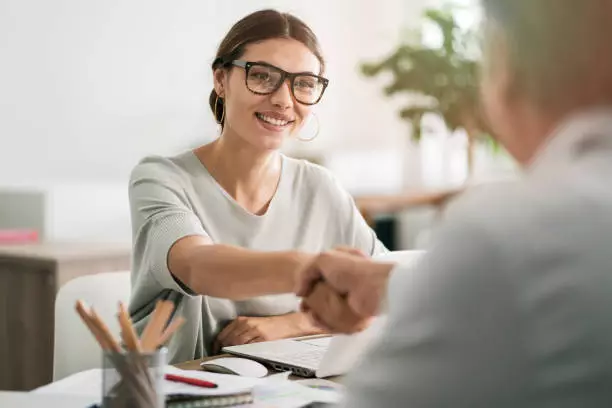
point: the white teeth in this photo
(273, 121)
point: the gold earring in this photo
(310, 139)
(219, 121)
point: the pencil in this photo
(157, 323)
(84, 314)
(127, 329)
(170, 330)
(135, 377)
(150, 327)
(104, 332)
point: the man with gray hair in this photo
(512, 304)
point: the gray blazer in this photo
(512, 305)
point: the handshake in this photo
(342, 289)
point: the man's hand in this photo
(329, 310)
(244, 330)
(361, 281)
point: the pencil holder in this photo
(132, 379)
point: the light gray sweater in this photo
(175, 197)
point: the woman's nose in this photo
(282, 97)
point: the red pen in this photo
(191, 381)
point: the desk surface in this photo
(195, 365)
(58, 251)
(372, 204)
(9, 399)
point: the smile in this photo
(273, 121)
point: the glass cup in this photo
(130, 379)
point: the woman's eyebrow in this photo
(276, 66)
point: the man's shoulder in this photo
(491, 203)
(525, 209)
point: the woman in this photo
(222, 230)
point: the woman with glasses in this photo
(222, 230)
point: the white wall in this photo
(89, 87)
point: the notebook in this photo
(195, 401)
(232, 390)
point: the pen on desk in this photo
(191, 381)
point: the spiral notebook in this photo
(195, 401)
(232, 390)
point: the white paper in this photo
(14, 399)
(321, 383)
(270, 392)
(279, 376)
(290, 394)
(89, 384)
(227, 384)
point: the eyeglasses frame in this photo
(247, 65)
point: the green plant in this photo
(442, 79)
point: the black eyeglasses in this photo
(264, 79)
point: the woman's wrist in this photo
(294, 262)
(304, 325)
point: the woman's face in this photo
(264, 121)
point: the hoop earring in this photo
(316, 133)
(219, 121)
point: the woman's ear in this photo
(220, 81)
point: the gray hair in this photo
(560, 50)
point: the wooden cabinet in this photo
(30, 276)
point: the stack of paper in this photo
(88, 384)
(271, 392)
(290, 394)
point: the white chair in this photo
(75, 348)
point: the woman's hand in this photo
(244, 330)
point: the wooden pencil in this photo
(104, 331)
(127, 329)
(85, 316)
(170, 330)
(157, 323)
(147, 333)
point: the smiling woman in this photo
(282, 39)
(264, 91)
(223, 229)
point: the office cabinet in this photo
(30, 276)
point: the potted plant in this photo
(443, 79)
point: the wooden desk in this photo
(30, 276)
(372, 205)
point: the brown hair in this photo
(559, 49)
(259, 26)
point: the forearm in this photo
(306, 327)
(236, 273)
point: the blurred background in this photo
(90, 87)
